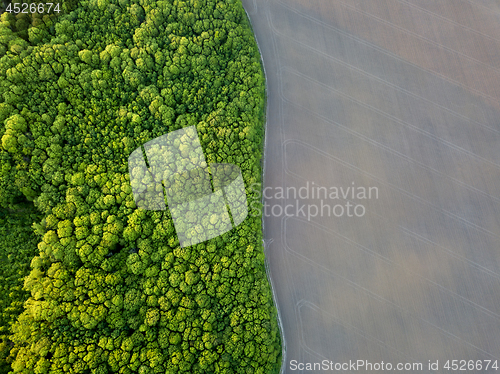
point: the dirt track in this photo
(401, 95)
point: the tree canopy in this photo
(110, 289)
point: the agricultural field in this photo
(400, 97)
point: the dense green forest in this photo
(105, 286)
(17, 248)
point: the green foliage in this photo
(111, 290)
(17, 248)
(20, 31)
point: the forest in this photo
(89, 282)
